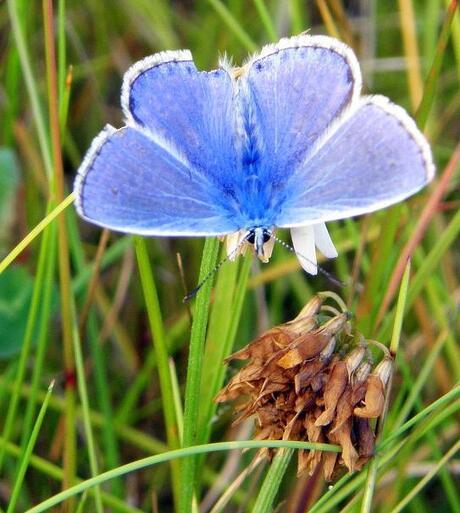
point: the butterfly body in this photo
(285, 141)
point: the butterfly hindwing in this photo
(127, 182)
(372, 157)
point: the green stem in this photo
(195, 361)
(83, 392)
(161, 352)
(27, 453)
(366, 505)
(27, 343)
(186, 453)
(272, 482)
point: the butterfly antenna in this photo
(194, 291)
(328, 275)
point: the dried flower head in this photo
(312, 379)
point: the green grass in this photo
(130, 424)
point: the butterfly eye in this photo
(251, 237)
(267, 235)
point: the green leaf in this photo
(15, 296)
(9, 181)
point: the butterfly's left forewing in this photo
(170, 170)
(167, 96)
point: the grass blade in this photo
(366, 505)
(272, 482)
(26, 454)
(161, 350)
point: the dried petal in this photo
(374, 399)
(344, 409)
(343, 437)
(384, 370)
(354, 359)
(311, 344)
(307, 373)
(338, 380)
(362, 372)
(306, 347)
(326, 353)
(365, 437)
(305, 401)
(329, 461)
(307, 312)
(264, 346)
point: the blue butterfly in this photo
(285, 141)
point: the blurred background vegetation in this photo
(79, 306)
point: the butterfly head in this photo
(259, 238)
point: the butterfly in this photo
(285, 141)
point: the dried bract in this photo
(312, 379)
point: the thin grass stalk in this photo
(102, 387)
(349, 484)
(35, 232)
(266, 20)
(414, 400)
(93, 283)
(194, 370)
(24, 458)
(177, 400)
(233, 24)
(328, 20)
(439, 311)
(168, 456)
(418, 384)
(439, 403)
(425, 480)
(112, 255)
(443, 183)
(83, 393)
(432, 79)
(82, 503)
(343, 22)
(128, 434)
(61, 53)
(272, 482)
(455, 36)
(426, 269)
(69, 455)
(161, 353)
(411, 53)
(32, 87)
(298, 16)
(27, 342)
(366, 505)
(42, 338)
(50, 470)
(103, 398)
(215, 351)
(425, 217)
(64, 103)
(217, 378)
(120, 335)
